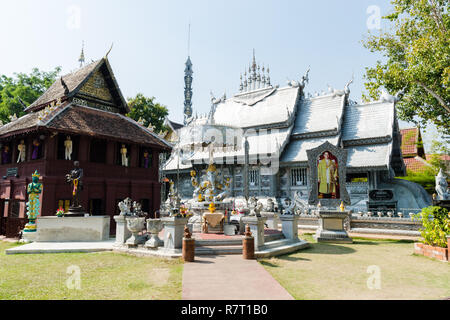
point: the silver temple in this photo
(282, 123)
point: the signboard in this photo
(11, 172)
(381, 195)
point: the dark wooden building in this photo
(87, 106)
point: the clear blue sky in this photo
(150, 42)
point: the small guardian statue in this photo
(22, 151)
(442, 186)
(123, 152)
(288, 206)
(255, 207)
(34, 190)
(6, 155)
(36, 148)
(68, 148)
(146, 159)
(125, 207)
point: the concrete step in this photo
(218, 250)
(276, 243)
(288, 247)
(218, 242)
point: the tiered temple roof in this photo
(87, 101)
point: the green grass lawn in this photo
(103, 275)
(339, 271)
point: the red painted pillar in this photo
(48, 197)
(83, 153)
(134, 156)
(110, 152)
(51, 147)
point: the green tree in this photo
(437, 151)
(147, 110)
(417, 60)
(23, 88)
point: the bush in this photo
(436, 225)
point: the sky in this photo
(150, 42)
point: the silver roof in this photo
(296, 149)
(262, 144)
(369, 155)
(257, 108)
(368, 121)
(319, 114)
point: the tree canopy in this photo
(147, 111)
(23, 89)
(417, 61)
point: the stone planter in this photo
(431, 251)
(154, 226)
(135, 225)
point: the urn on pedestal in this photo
(135, 225)
(154, 226)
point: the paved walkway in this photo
(229, 277)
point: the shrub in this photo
(435, 225)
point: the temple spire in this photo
(256, 78)
(81, 58)
(188, 84)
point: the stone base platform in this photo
(206, 244)
(332, 236)
(63, 247)
(331, 227)
(72, 229)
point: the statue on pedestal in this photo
(34, 190)
(255, 207)
(288, 206)
(125, 207)
(22, 154)
(75, 179)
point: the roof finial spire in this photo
(106, 55)
(188, 84)
(189, 40)
(81, 58)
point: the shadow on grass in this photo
(268, 264)
(326, 248)
(286, 257)
(374, 241)
(290, 257)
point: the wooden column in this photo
(48, 205)
(83, 151)
(51, 147)
(110, 152)
(134, 156)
